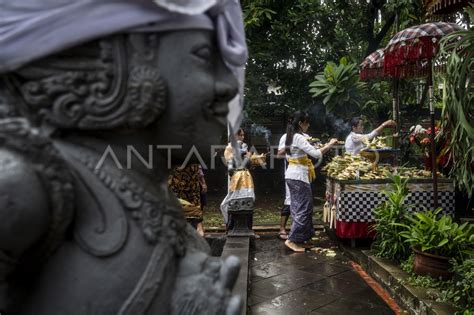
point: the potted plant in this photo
(435, 239)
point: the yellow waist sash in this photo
(304, 161)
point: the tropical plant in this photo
(437, 234)
(462, 290)
(339, 87)
(457, 51)
(390, 217)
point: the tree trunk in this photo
(374, 41)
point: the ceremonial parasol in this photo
(372, 66)
(409, 52)
(408, 55)
(440, 7)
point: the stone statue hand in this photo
(204, 285)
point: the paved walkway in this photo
(322, 281)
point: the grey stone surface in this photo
(284, 282)
(239, 247)
(78, 236)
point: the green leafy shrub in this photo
(339, 87)
(437, 234)
(457, 52)
(461, 292)
(390, 217)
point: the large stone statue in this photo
(86, 89)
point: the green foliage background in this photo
(290, 42)
(458, 98)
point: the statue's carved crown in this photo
(108, 83)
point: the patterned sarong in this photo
(301, 209)
(184, 182)
(240, 187)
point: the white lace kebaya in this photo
(355, 141)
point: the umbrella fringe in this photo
(411, 60)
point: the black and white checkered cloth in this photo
(357, 206)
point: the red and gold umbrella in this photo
(372, 66)
(440, 7)
(408, 53)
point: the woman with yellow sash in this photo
(298, 176)
(241, 183)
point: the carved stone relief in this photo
(100, 85)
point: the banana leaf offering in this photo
(377, 143)
(355, 167)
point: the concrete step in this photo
(414, 299)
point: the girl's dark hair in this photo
(294, 127)
(237, 133)
(354, 122)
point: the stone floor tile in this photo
(324, 269)
(350, 275)
(347, 289)
(267, 243)
(255, 299)
(267, 270)
(350, 307)
(334, 286)
(254, 279)
(265, 257)
(366, 295)
(299, 259)
(299, 301)
(280, 284)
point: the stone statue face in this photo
(165, 88)
(199, 87)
